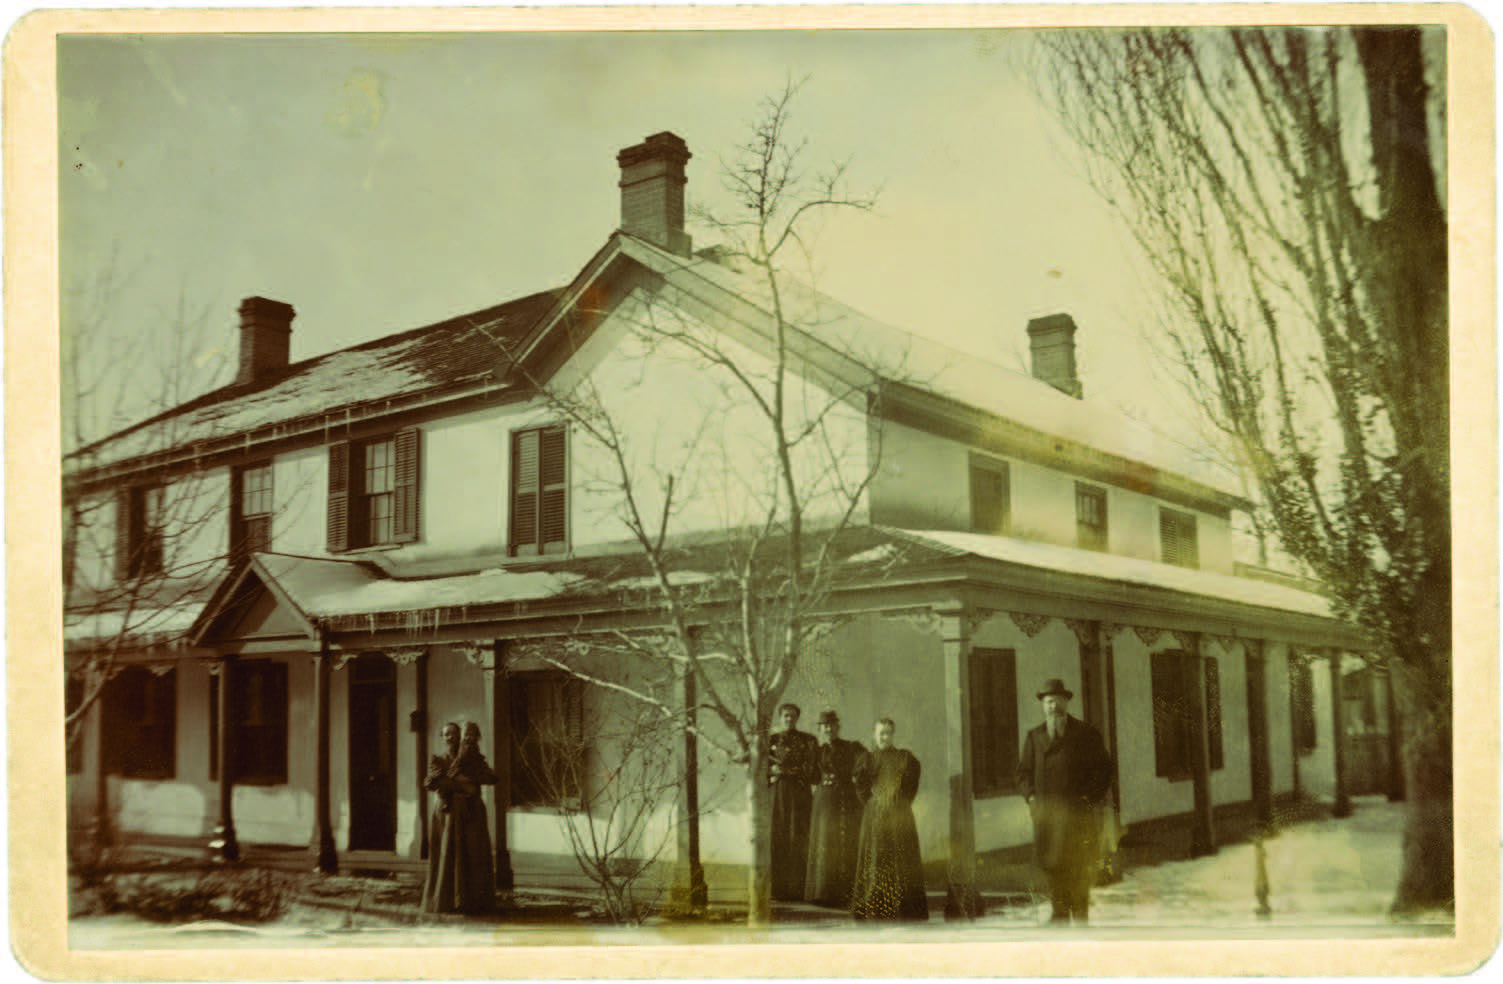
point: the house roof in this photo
(460, 349)
(931, 366)
(438, 356)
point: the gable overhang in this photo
(252, 612)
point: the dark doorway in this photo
(373, 753)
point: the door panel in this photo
(373, 753)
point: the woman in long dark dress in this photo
(790, 771)
(461, 870)
(836, 817)
(889, 873)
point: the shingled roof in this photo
(439, 356)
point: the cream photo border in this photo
(38, 914)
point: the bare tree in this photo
(1281, 183)
(126, 592)
(613, 772)
(739, 610)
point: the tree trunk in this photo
(1428, 877)
(759, 803)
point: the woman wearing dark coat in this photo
(889, 880)
(836, 817)
(461, 870)
(790, 771)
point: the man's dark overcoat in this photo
(792, 757)
(1066, 779)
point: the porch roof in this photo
(1124, 570)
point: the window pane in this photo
(379, 476)
(380, 512)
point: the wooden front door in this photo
(373, 753)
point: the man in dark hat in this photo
(1064, 774)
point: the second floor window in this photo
(250, 510)
(1177, 537)
(990, 505)
(1090, 517)
(139, 519)
(374, 491)
(539, 491)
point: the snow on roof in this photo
(1131, 570)
(933, 366)
(390, 367)
(326, 588)
(139, 626)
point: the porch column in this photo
(1202, 828)
(224, 845)
(104, 835)
(962, 900)
(420, 732)
(689, 888)
(1258, 754)
(1338, 734)
(1395, 735)
(323, 830)
(1292, 668)
(501, 742)
(1109, 671)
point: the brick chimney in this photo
(265, 337)
(652, 191)
(1051, 340)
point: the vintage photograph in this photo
(962, 484)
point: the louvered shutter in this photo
(988, 498)
(1166, 713)
(1189, 542)
(1169, 537)
(554, 480)
(408, 455)
(1213, 710)
(339, 497)
(983, 748)
(122, 534)
(524, 491)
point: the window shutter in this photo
(1169, 537)
(408, 485)
(238, 547)
(339, 497)
(1213, 710)
(988, 497)
(983, 745)
(1189, 542)
(524, 490)
(122, 534)
(1165, 713)
(554, 481)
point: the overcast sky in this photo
(379, 183)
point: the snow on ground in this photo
(1328, 879)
